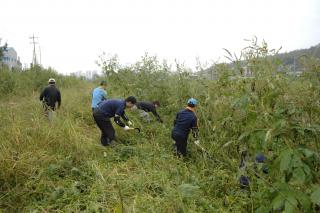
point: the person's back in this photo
(99, 94)
(111, 107)
(51, 95)
(146, 106)
(185, 121)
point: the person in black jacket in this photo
(146, 106)
(50, 96)
(185, 121)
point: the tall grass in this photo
(61, 166)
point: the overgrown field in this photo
(61, 166)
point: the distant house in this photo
(11, 59)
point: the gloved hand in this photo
(197, 142)
(126, 128)
(130, 123)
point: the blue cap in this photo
(192, 101)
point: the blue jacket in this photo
(184, 122)
(112, 107)
(98, 95)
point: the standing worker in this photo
(185, 121)
(146, 106)
(99, 94)
(108, 109)
(49, 97)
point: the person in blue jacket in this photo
(185, 121)
(99, 94)
(112, 108)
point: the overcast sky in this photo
(72, 33)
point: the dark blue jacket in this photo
(112, 107)
(184, 122)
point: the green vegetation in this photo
(2, 48)
(61, 166)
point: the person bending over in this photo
(185, 121)
(112, 108)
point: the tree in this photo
(2, 49)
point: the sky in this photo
(73, 33)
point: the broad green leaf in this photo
(296, 160)
(304, 200)
(263, 209)
(299, 176)
(285, 160)
(308, 153)
(277, 202)
(290, 204)
(307, 170)
(315, 196)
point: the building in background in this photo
(11, 59)
(87, 75)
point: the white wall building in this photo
(11, 59)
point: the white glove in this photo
(126, 128)
(130, 123)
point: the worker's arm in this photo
(59, 98)
(195, 132)
(125, 117)
(120, 113)
(118, 121)
(104, 96)
(195, 129)
(154, 112)
(42, 94)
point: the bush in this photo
(32, 80)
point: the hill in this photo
(290, 62)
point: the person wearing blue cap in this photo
(99, 94)
(185, 121)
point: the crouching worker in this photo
(185, 121)
(145, 107)
(112, 108)
(50, 96)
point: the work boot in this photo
(105, 141)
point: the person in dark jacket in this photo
(50, 96)
(146, 106)
(185, 121)
(112, 108)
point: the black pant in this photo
(181, 143)
(105, 125)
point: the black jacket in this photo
(50, 96)
(148, 107)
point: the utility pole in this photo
(34, 57)
(40, 54)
